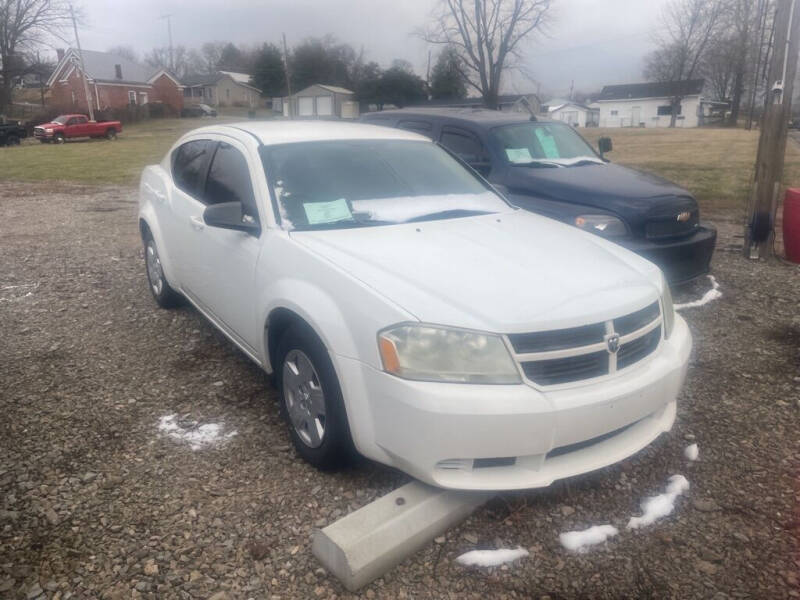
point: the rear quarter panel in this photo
(154, 202)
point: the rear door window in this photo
(229, 179)
(421, 127)
(463, 143)
(189, 166)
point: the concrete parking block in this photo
(368, 542)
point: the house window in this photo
(228, 93)
(614, 113)
(132, 97)
(118, 71)
(666, 110)
(143, 97)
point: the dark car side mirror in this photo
(604, 145)
(231, 215)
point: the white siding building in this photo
(648, 104)
(573, 113)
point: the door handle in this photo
(197, 223)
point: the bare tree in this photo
(487, 35)
(24, 25)
(125, 52)
(686, 28)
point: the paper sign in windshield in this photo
(547, 142)
(519, 155)
(319, 213)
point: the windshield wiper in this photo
(539, 164)
(584, 161)
(453, 213)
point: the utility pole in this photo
(288, 74)
(761, 21)
(83, 66)
(760, 226)
(169, 33)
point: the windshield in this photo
(62, 120)
(355, 183)
(548, 143)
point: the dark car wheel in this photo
(164, 295)
(311, 400)
(111, 134)
(12, 140)
(59, 138)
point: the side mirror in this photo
(604, 145)
(231, 215)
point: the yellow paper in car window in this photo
(519, 155)
(547, 142)
(327, 212)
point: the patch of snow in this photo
(491, 558)
(404, 208)
(197, 436)
(660, 506)
(710, 295)
(579, 541)
(691, 452)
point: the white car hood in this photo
(509, 272)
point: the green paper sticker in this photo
(327, 212)
(519, 155)
(547, 142)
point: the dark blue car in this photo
(548, 168)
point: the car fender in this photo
(152, 189)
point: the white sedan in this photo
(406, 310)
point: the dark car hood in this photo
(631, 194)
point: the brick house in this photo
(115, 82)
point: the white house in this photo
(648, 104)
(573, 113)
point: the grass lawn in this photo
(98, 161)
(716, 165)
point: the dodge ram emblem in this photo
(684, 216)
(613, 343)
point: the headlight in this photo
(432, 353)
(669, 310)
(604, 225)
(48, 131)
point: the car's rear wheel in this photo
(164, 295)
(111, 134)
(311, 400)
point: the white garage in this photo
(323, 102)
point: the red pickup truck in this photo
(66, 127)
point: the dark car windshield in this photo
(548, 143)
(62, 120)
(354, 183)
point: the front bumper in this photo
(500, 437)
(681, 259)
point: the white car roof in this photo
(286, 132)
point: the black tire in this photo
(12, 140)
(164, 295)
(336, 449)
(59, 138)
(111, 134)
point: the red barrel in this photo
(791, 224)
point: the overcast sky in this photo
(593, 42)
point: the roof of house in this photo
(554, 107)
(334, 88)
(238, 77)
(101, 66)
(653, 89)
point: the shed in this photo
(320, 101)
(574, 113)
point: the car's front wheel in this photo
(311, 400)
(164, 295)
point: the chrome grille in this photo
(563, 356)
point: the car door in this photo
(184, 214)
(468, 147)
(224, 260)
(72, 128)
(81, 127)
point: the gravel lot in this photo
(97, 502)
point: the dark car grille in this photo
(670, 227)
(583, 352)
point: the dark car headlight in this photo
(604, 225)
